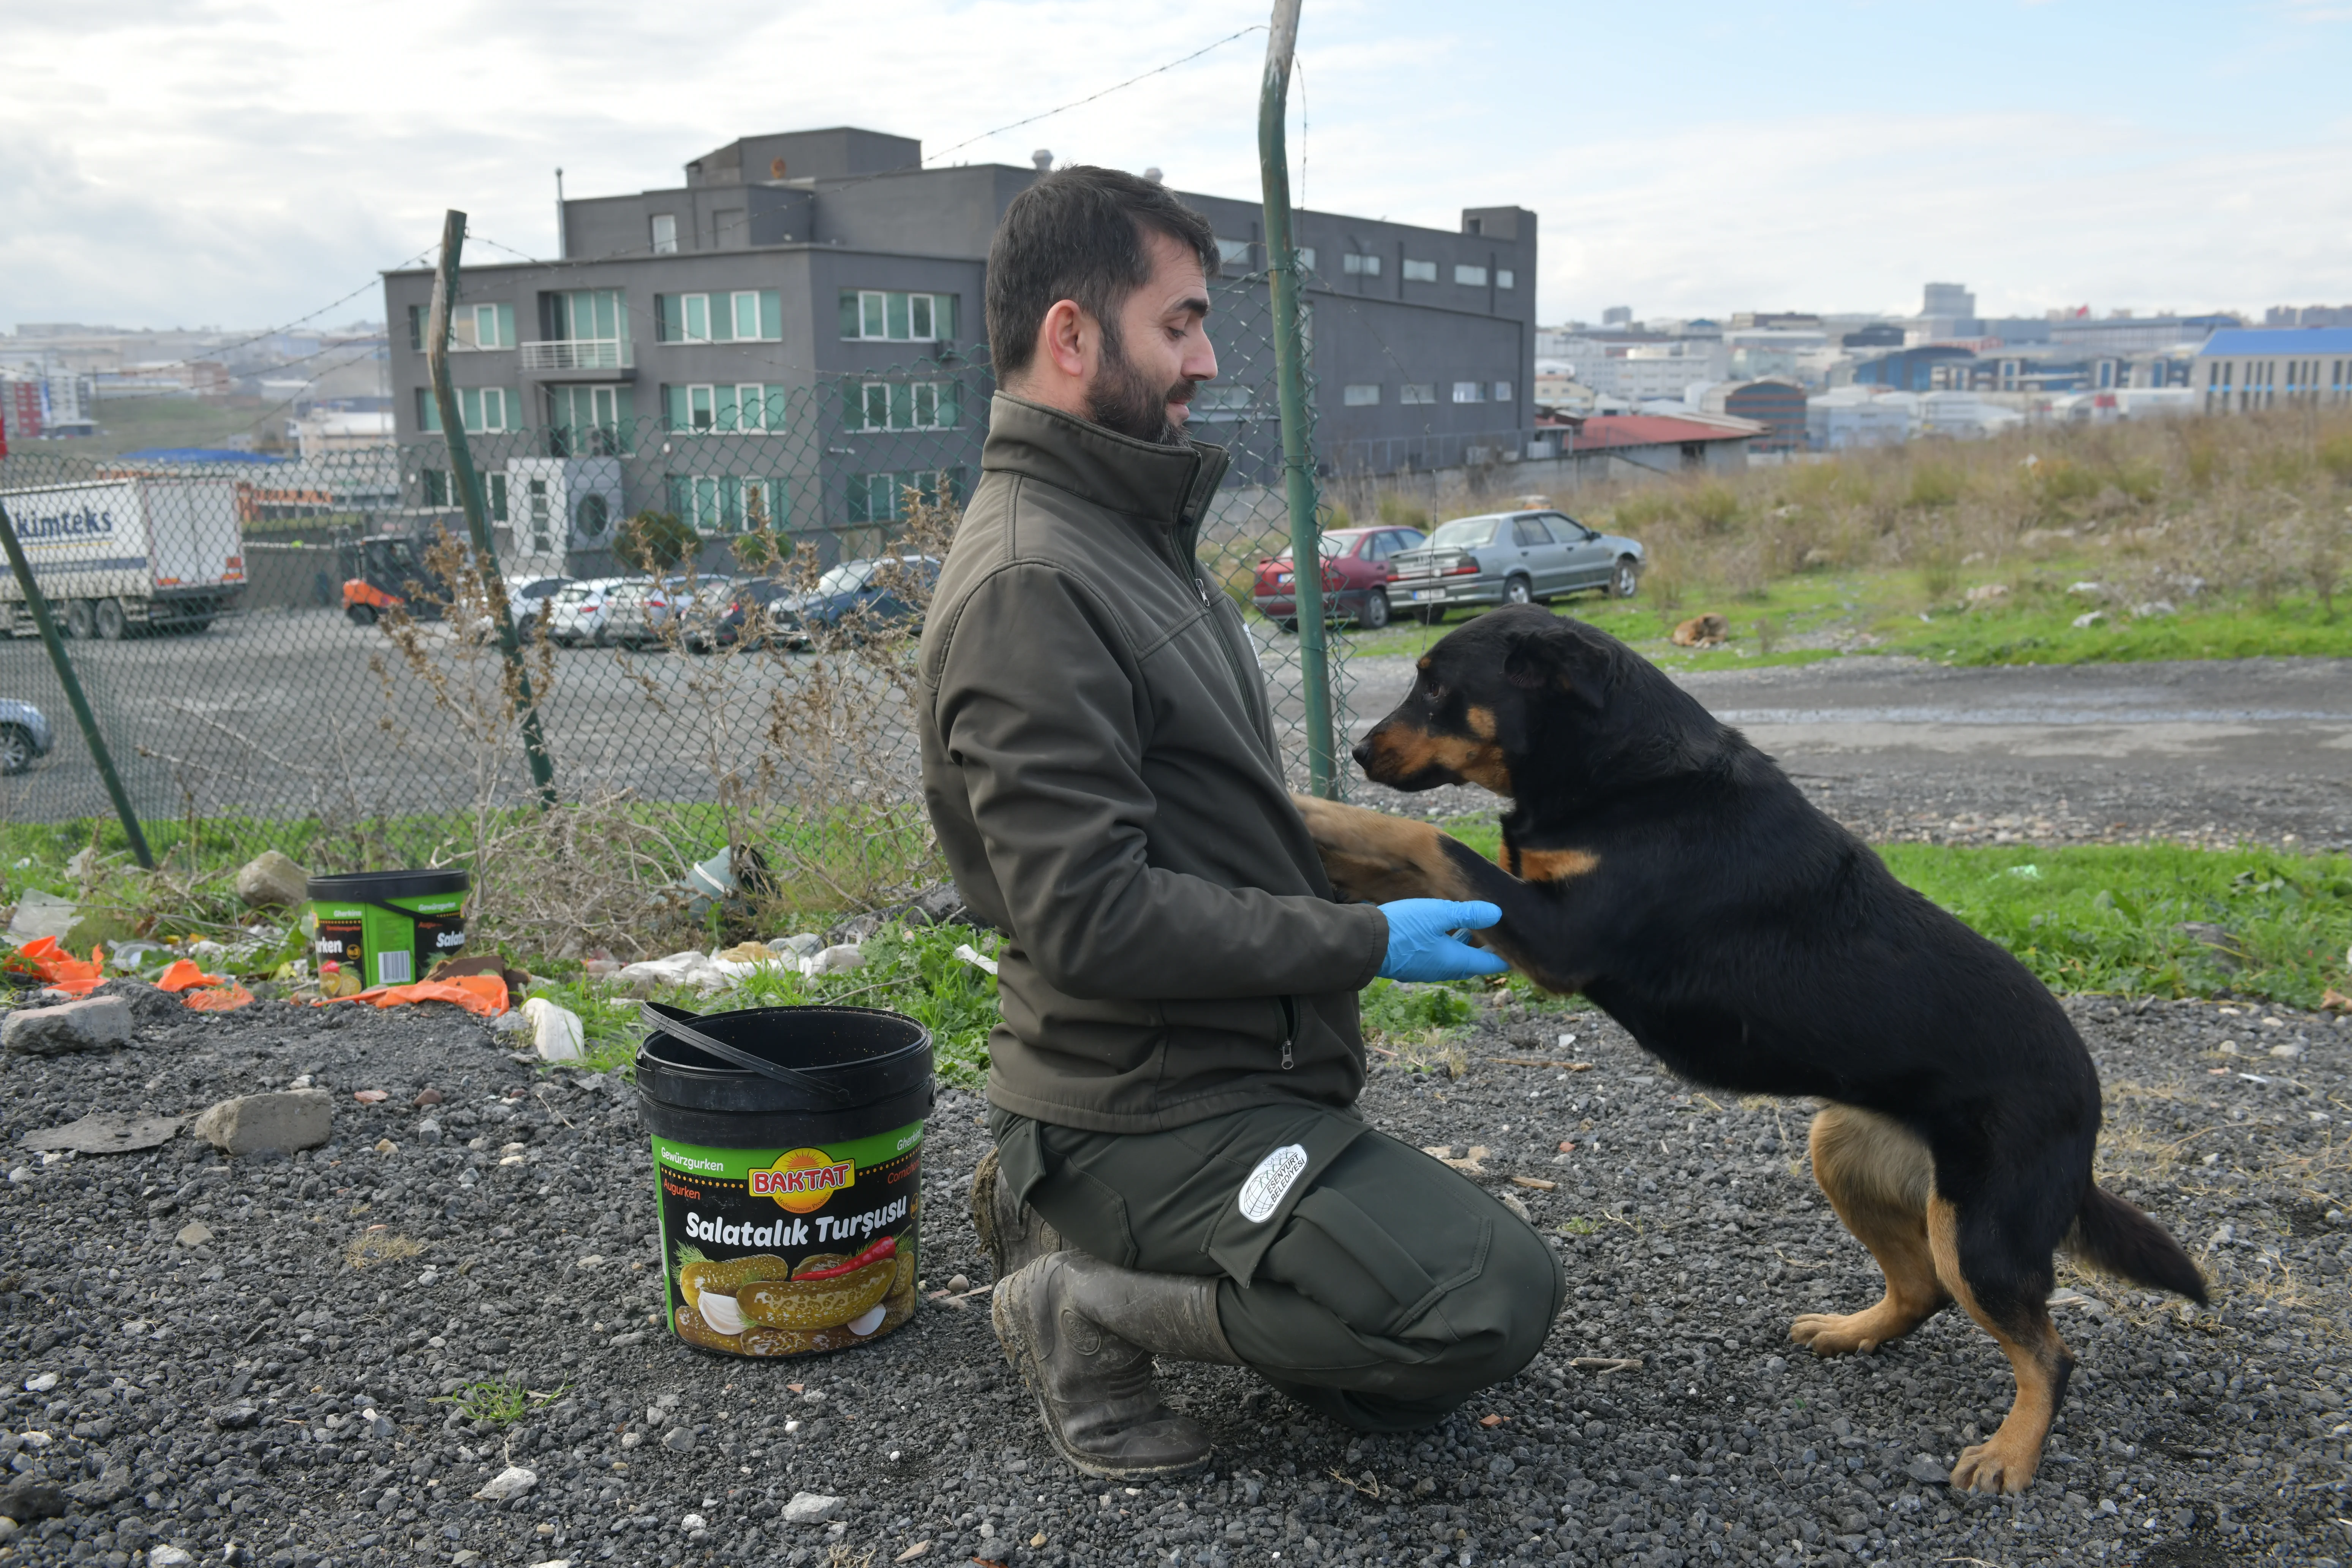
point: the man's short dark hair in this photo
(1077, 234)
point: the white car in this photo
(578, 616)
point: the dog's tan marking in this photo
(1370, 855)
(1552, 865)
(1402, 750)
(1878, 1176)
(2006, 1461)
(1482, 723)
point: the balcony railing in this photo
(579, 354)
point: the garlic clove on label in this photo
(865, 1323)
(720, 1312)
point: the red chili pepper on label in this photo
(886, 1248)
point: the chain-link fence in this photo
(716, 604)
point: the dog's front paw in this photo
(1999, 1464)
(1372, 855)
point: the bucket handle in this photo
(662, 1023)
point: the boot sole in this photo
(983, 1211)
(1017, 1350)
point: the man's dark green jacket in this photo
(1100, 762)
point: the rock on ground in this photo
(226, 1387)
(91, 1024)
(272, 879)
(284, 1123)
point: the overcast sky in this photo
(243, 163)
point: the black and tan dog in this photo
(1655, 861)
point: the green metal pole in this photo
(39, 604)
(469, 496)
(1290, 377)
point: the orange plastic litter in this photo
(62, 969)
(222, 998)
(185, 974)
(482, 994)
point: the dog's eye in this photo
(1433, 693)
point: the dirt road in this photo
(2211, 750)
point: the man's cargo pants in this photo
(1361, 1277)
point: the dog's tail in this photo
(2112, 1235)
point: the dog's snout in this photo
(1362, 752)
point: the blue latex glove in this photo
(1422, 945)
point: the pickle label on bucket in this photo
(780, 1252)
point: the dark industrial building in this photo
(794, 337)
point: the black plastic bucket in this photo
(787, 1146)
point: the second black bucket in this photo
(787, 1147)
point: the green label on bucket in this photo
(780, 1252)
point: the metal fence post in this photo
(1290, 373)
(469, 496)
(83, 717)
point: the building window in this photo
(1419, 271)
(747, 405)
(728, 503)
(1362, 395)
(882, 498)
(1503, 392)
(1469, 276)
(1358, 265)
(1221, 402)
(591, 315)
(1307, 257)
(471, 327)
(1417, 392)
(747, 315)
(665, 233)
(1506, 278)
(1469, 391)
(901, 405)
(487, 410)
(1234, 253)
(884, 316)
(590, 421)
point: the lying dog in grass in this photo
(1655, 861)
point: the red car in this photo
(1356, 576)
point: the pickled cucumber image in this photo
(694, 1330)
(823, 1297)
(696, 1273)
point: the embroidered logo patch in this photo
(1262, 1193)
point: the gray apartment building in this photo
(794, 338)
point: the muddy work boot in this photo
(1015, 1233)
(1082, 1333)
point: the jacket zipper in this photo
(1181, 558)
(1289, 1027)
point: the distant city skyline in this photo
(172, 166)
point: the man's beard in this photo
(1122, 400)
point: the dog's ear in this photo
(1554, 656)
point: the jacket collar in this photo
(1166, 487)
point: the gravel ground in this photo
(215, 1396)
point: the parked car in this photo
(1513, 558)
(525, 600)
(641, 614)
(25, 736)
(1358, 566)
(748, 614)
(577, 613)
(885, 591)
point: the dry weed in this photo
(374, 1247)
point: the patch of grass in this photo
(2045, 634)
(912, 970)
(497, 1401)
(2109, 917)
(1392, 1009)
(372, 1246)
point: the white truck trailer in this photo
(114, 556)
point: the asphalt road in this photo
(2210, 751)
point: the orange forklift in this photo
(388, 571)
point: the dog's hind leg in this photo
(1878, 1176)
(2006, 1292)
